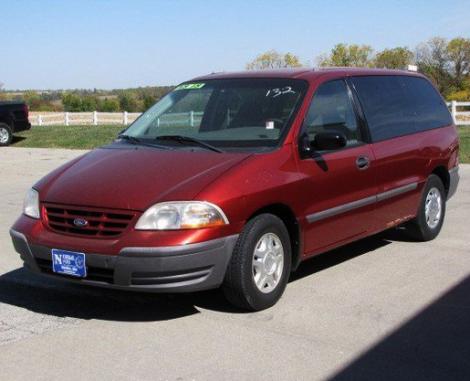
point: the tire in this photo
(427, 225)
(6, 134)
(257, 253)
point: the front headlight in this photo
(181, 215)
(31, 204)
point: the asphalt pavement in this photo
(381, 308)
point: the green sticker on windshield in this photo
(190, 86)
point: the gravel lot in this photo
(380, 308)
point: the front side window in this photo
(331, 110)
(246, 113)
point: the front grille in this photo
(100, 223)
(96, 274)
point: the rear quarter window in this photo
(400, 105)
(430, 111)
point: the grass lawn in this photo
(77, 137)
(464, 133)
(87, 137)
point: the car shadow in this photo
(50, 296)
(433, 345)
(337, 256)
(16, 139)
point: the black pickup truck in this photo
(13, 118)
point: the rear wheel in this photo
(260, 265)
(5, 134)
(428, 223)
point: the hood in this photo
(132, 177)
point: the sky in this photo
(60, 44)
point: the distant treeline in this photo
(131, 100)
(445, 62)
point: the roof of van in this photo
(304, 73)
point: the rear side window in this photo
(400, 105)
(430, 111)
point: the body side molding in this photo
(360, 203)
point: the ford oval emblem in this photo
(80, 222)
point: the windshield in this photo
(224, 113)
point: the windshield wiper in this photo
(186, 139)
(134, 140)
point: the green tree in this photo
(71, 102)
(459, 96)
(38, 101)
(433, 52)
(348, 55)
(128, 102)
(89, 103)
(31, 97)
(148, 101)
(433, 60)
(463, 94)
(396, 58)
(274, 60)
(109, 105)
(458, 52)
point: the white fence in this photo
(95, 118)
(460, 112)
(92, 118)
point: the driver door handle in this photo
(362, 162)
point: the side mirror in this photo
(305, 148)
(327, 141)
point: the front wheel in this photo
(260, 265)
(431, 212)
(5, 134)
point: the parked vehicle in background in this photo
(13, 118)
(278, 166)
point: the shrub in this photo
(108, 105)
(459, 96)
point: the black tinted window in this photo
(429, 109)
(385, 106)
(331, 110)
(400, 105)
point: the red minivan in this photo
(233, 179)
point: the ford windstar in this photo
(233, 179)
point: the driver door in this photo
(340, 185)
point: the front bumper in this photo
(184, 268)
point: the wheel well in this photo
(443, 174)
(287, 216)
